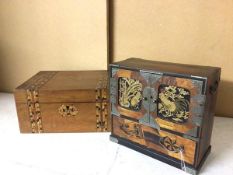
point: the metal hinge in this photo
(113, 139)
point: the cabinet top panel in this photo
(167, 67)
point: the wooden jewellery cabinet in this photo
(164, 110)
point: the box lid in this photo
(64, 86)
(167, 67)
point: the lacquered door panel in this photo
(126, 93)
(179, 103)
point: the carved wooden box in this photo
(164, 110)
(66, 101)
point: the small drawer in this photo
(158, 141)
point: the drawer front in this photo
(155, 140)
(68, 117)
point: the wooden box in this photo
(65, 101)
(164, 110)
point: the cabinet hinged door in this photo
(179, 103)
(129, 94)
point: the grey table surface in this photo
(93, 153)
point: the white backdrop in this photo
(92, 153)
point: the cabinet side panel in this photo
(208, 117)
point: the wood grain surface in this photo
(82, 90)
(194, 134)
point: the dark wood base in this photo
(164, 158)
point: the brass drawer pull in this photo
(68, 111)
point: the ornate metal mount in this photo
(68, 111)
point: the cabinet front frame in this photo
(151, 81)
